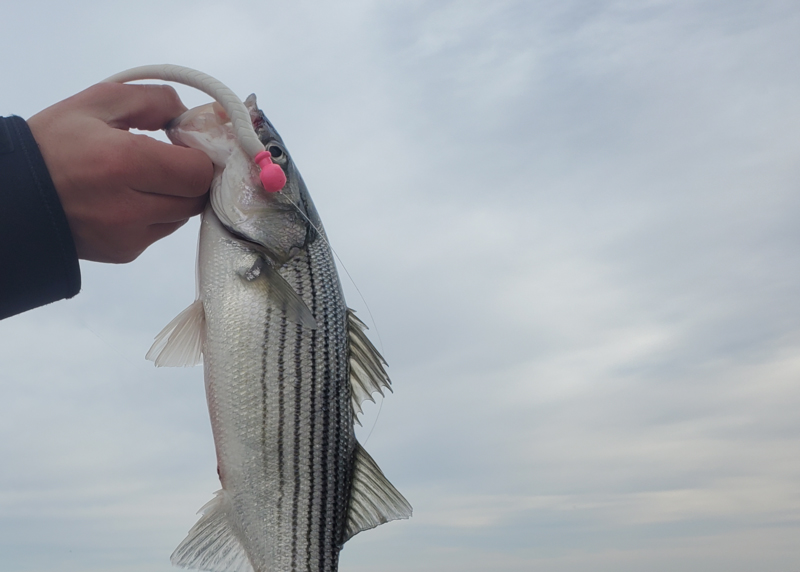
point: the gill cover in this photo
(269, 220)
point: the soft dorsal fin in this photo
(367, 373)
(373, 499)
(211, 544)
(180, 343)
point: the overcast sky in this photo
(576, 224)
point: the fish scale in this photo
(286, 368)
(267, 409)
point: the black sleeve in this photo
(38, 260)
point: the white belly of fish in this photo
(279, 399)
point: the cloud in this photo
(574, 225)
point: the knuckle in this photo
(104, 91)
(170, 94)
(103, 97)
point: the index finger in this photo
(153, 166)
(125, 106)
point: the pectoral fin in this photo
(264, 276)
(180, 343)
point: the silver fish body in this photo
(287, 366)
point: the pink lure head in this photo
(272, 177)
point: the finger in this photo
(152, 166)
(145, 238)
(154, 209)
(158, 231)
(125, 106)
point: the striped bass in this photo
(287, 367)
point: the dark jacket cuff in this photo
(38, 260)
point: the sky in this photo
(576, 227)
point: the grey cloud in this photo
(575, 226)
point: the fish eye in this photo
(275, 151)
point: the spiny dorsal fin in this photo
(211, 544)
(180, 343)
(373, 499)
(367, 374)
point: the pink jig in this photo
(272, 177)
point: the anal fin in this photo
(373, 500)
(211, 544)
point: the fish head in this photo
(295, 189)
(281, 224)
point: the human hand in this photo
(120, 191)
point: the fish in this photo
(287, 366)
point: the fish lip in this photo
(175, 121)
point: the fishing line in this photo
(353, 282)
(378, 414)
